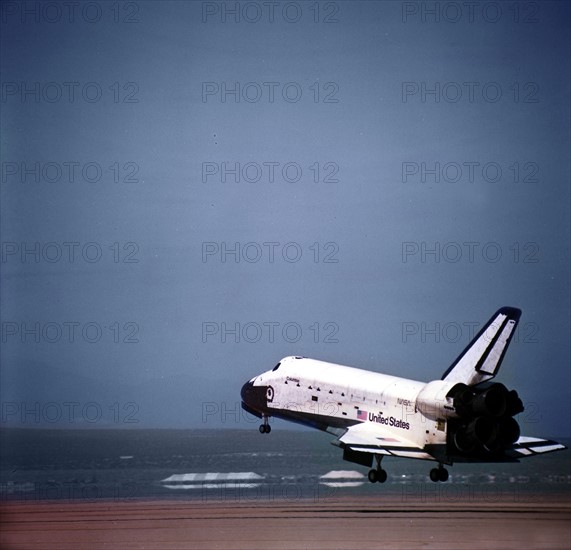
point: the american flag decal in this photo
(361, 415)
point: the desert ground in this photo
(535, 521)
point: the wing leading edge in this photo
(371, 438)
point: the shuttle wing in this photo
(368, 437)
(531, 446)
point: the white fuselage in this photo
(327, 395)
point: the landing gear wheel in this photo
(439, 474)
(377, 475)
(265, 428)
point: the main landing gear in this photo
(439, 474)
(378, 474)
(265, 428)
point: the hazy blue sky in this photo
(401, 174)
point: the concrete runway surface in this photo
(342, 523)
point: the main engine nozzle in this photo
(491, 402)
(475, 434)
(486, 422)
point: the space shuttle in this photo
(463, 417)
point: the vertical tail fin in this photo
(481, 360)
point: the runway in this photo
(339, 523)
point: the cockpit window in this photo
(277, 366)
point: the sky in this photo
(193, 190)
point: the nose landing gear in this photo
(265, 428)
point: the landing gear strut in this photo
(439, 474)
(377, 474)
(265, 428)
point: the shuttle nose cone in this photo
(246, 391)
(254, 398)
